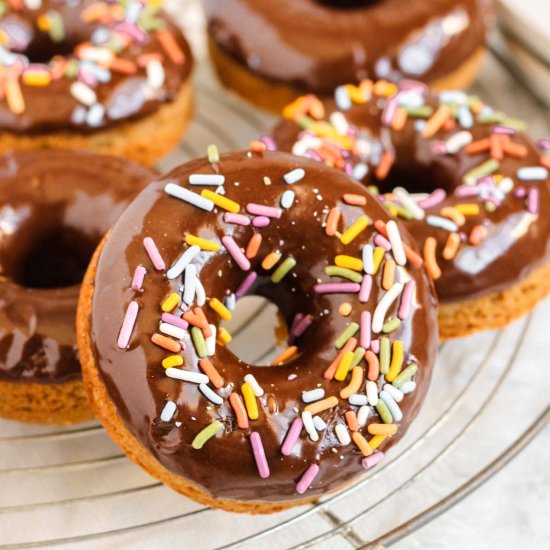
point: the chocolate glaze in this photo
(316, 46)
(54, 205)
(517, 240)
(136, 381)
(125, 97)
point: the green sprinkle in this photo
(56, 29)
(198, 341)
(490, 206)
(149, 20)
(391, 324)
(405, 375)
(494, 117)
(515, 123)
(472, 100)
(419, 112)
(71, 70)
(205, 434)
(344, 272)
(347, 333)
(305, 122)
(399, 211)
(484, 169)
(213, 154)
(285, 267)
(374, 190)
(384, 355)
(358, 355)
(384, 412)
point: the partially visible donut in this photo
(93, 74)
(272, 51)
(55, 206)
(189, 411)
(484, 227)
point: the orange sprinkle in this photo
(516, 150)
(362, 443)
(195, 320)
(436, 121)
(399, 119)
(210, 370)
(14, 97)
(355, 383)
(316, 108)
(170, 46)
(453, 214)
(382, 429)
(287, 354)
(430, 260)
(330, 371)
(384, 88)
(257, 146)
(121, 65)
(351, 419)
(449, 125)
(145, 58)
(344, 309)
(166, 343)
(297, 108)
(323, 405)
(271, 259)
(253, 246)
(389, 274)
(479, 146)
(385, 164)
(477, 234)
(373, 365)
(240, 412)
(451, 246)
(496, 142)
(205, 327)
(411, 255)
(354, 200)
(545, 161)
(332, 221)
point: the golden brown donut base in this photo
(274, 96)
(117, 430)
(145, 140)
(62, 403)
(494, 310)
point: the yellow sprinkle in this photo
(14, 96)
(354, 229)
(344, 366)
(362, 443)
(344, 309)
(43, 23)
(172, 361)
(349, 262)
(396, 361)
(220, 309)
(221, 201)
(250, 401)
(39, 78)
(378, 256)
(468, 209)
(384, 88)
(271, 259)
(203, 244)
(376, 441)
(171, 302)
(224, 335)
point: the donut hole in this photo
(43, 50)
(259, 330)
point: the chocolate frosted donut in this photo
(362, 340)
(272, 51)
(93, 74)
(55, 207)
(473, 189)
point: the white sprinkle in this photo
(230, 302)
(396, 394)
(83, 93)
(168, 411)
(408, 202)
(458, 141)
(410, 98)
(372, 393)
(155, 74)
(211, 341)
(453, 96)
(342, 98)
(392, 406)
(532, 173)
(442, 223)
(33, 4)
(319, 423)
(256, 388)
(360, 171)
(363, 415)
(342, 434)
(307, 419)
(294, 175)
(200, 294)
(408, 387)
(465, 117)
(396, 244)
(187, 376)
(368, 259)
(171, 330)
(506, 185)
(358, 399)
(189, 281)
(95, 115)
(287, 199)
(189, 197)
(206, 179)
(419, 125)
(338, 120)
(313, 395)
(210, 394)
(383, 305)
(182, 262)
(301, 147)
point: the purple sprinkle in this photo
(307, 479)
(434, 198)
(244, 287)
(348, 169)
(154, 254)
(366, 286)
(406, 300)
(312, 154)
(381, 241)
(269, 143)
(503, 130)
(336, 288)
(174, 320)
(259, 454)
(139, 276)
(303, 325)
(292, 436)
(544, 144)
(291, 333)
(364, 335)
(128, 325)
(261, 210)
(372, 460)
(239, 219)
(533, 200)
(261, 221)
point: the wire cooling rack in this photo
(74, 488)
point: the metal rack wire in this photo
(82, 491)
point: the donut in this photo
(273, 51)
(156, 361)
(55, 207)
(98, 75)
(471, 187)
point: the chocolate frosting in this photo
(516, 240)
(55, 206)
(316, 46)
(136, 381)
(124, 96)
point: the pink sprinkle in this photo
(260, 210)
(128, 325)
(139, 276)
(375, 346)
(259, 454)
(533, 200)
(389, 111)
(307, 479)
(236, 253)
(504, 130)
(261, 221)
(406, 300)
(174, 321)
(292, 436)
(415, 85)
(239, 219)
(372, 460)
(154, 254)
(366, 286)
(544, 144)
(269, 143)
(466, 191)
(245, 285)
(381, 241)
(434, 198)
(291, 336)
(520, 192)
(303, 325)
(364, 334)
(336, 288)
